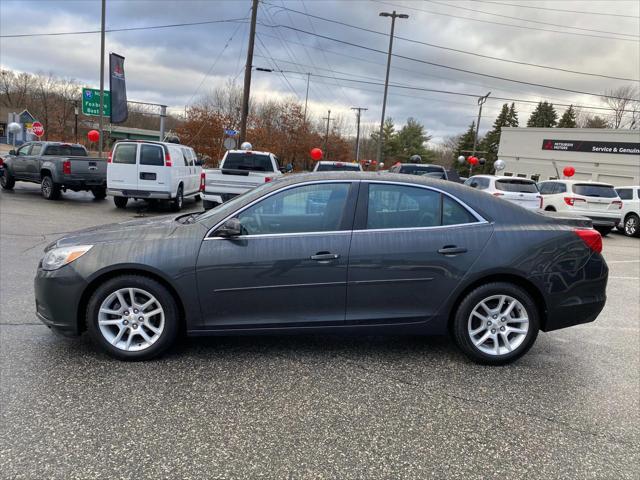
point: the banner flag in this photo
(118, 88)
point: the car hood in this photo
(164, 226)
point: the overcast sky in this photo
(169, 65)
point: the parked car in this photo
(239, 172)
(327, 166)
(521, 191)
(57, 167)
(328, 252)
(153, 170)
(630, 215)
(418, 169)
(594, 200)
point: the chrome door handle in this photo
(324, 256)
(452, 250)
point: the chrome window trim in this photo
(288, 187)
(481, 220)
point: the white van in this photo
(153, 170)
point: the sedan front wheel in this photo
(496, 323)
(132, 317)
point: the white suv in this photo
(520, 191)
(326, 166)
(597, 201)
(153, 170)
(630, 221)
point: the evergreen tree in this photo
(491, 141)
(411, 141)
(512, 117)
(390, 145)
(465, 146)
(568, 119)
(544, 116)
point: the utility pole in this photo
(481, 102)
(358, 110)
(247, 73)
(393, 16)
(326, 135)
(306, 98)
(100, 120)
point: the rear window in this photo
(125, 153)
(151, 155)
(248, 161)
(341, 167)
(420, 169)
(65, 151)
(588, 190)
(515, 185)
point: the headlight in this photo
(58, 257)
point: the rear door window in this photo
(545, 188)
(152, 155)
(625, 193)
(419, 169)
(590, 190)
(480, 183)
(65, 151)
(515, 185)
(125, 153)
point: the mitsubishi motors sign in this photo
(624, 148)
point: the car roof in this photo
(420, 165)
(333, 162)
(628, 186)
(155, 142)
(582, 182)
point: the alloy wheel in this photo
(131, 319)
(631, 226)
(498, 325)
(46, 187)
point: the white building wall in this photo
(522, 150)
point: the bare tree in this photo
(626, 101)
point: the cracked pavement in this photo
(307, 406)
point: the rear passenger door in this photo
(153, 176)
(410, 248)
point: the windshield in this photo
(589, 190)
(65, 150)
(521, 186)
(420, 169)
(248, 161)
(331, 167)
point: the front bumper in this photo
(138, 194)
(58, 294)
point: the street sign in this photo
(229, 143)
(230, 132)
(91, 102)
(37, 129)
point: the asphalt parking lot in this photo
(311, 406)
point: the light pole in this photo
(100, 118)
(75, 111)
(393, 16)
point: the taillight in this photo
(497, 194)
(591, 238)
(167, 159)
(66, 167)
(1, 162)
(110, 157)
(541, 201)
(202, 179)
(267, 179)
(571, 201)
(617, 202)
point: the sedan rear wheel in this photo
(632, 225)
(496, 323)
(132, 317)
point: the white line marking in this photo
(624, 261)
(627, 278)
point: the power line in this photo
(466, 52)
(404, 57)
(600, 14)
(277, 69)
(129, 29)
(506, 24)
(484, 12)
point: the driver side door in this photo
(289, 265)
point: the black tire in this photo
(176, 203)
(99, 193)
(159, 291)
(460, 325)
(208, 205)
(631, 225)
(7, 181)
(121, 202)
(550, 209)
(197, 197)
(50, 190)
(604, 231)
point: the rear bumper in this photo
(218, 197)
(138, 194)
(604, 221)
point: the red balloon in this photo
(473, 160)
(93, 135)
(569, 171)
(316, 153)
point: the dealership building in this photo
(599, 155)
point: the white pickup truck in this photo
(240, 171)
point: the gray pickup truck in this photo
(57, 167)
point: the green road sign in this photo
(91, 102)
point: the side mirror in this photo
(474, 185)
(12, 152)
(230, 228)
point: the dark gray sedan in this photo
(329, 252)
